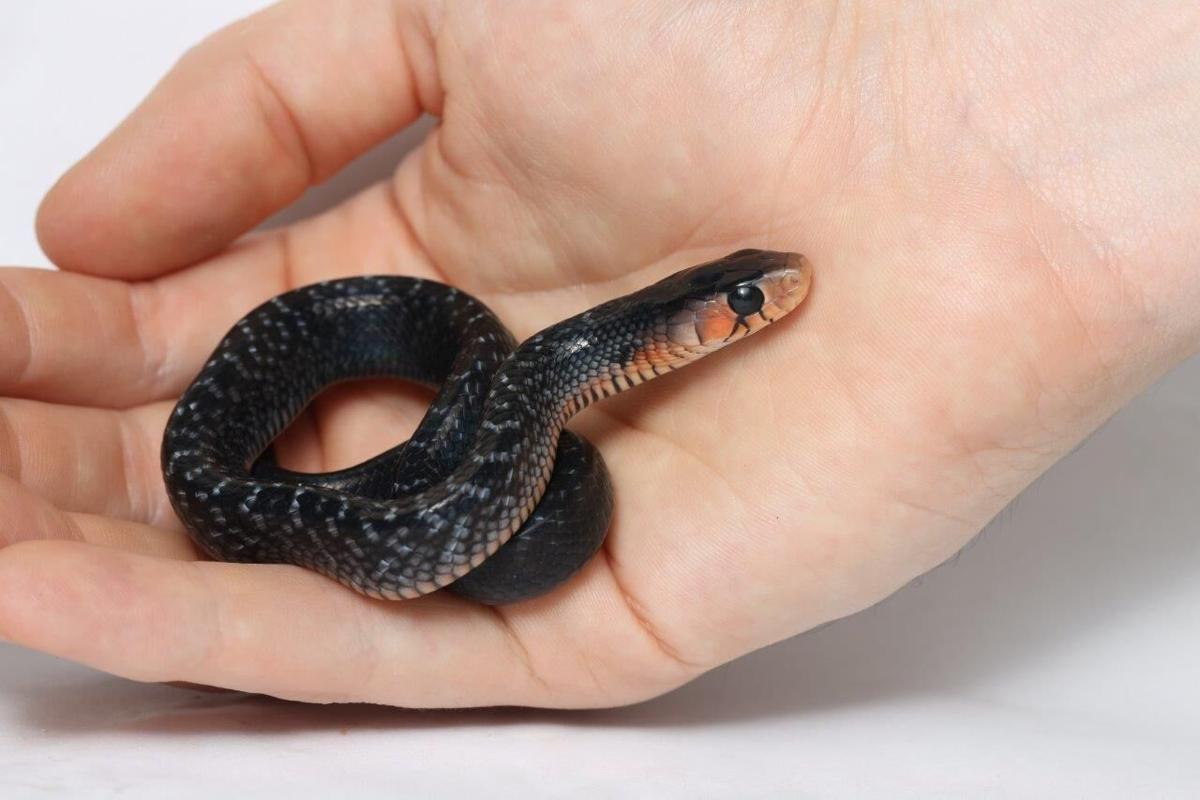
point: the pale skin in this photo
(1002, 208)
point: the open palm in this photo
(989, 287)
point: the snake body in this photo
(490, 462)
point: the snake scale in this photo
(491, 496)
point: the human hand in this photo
(1003, 232)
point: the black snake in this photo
(489, 461)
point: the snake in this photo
(491, 496)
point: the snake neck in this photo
(544, 382)
(602, 352)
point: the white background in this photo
(1058, 656)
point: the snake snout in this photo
(788, 283)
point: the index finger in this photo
(237, 130)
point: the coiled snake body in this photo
(491, 456)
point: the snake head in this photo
(728, 299)
(673, 322)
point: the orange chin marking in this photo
(715, 328)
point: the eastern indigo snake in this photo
(489, 459)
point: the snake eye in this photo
(746, 299)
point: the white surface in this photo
(1056, 657)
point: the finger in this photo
(28, 517)
(88, 460)
(237, 130)
(278, 630)
(92, 341)
(288, 632)
(73, 338)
